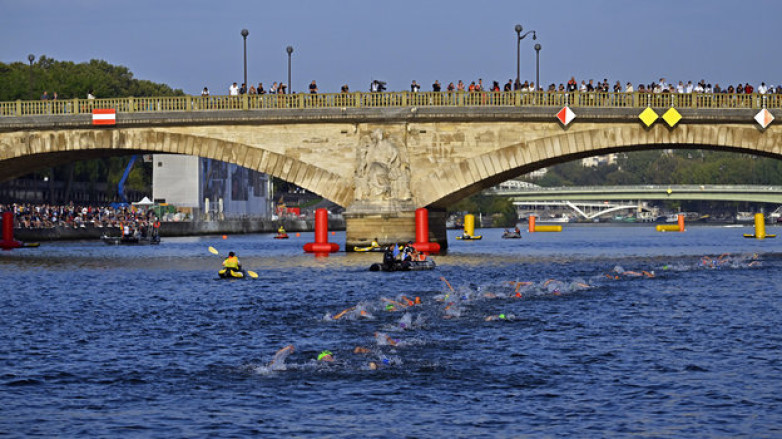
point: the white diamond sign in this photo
(764, 118)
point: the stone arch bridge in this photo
(380, 163)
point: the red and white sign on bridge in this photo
(102, 116)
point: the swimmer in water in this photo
(383, 339)
(495, 317)
(278, 361)
(326, 356)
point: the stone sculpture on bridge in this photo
(383, 171)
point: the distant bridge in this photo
(749, 193)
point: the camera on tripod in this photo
(377, 86)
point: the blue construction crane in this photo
(121, 185)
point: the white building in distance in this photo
(211, 189)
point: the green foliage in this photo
(500, 209)
(662, 167)
(71, 80)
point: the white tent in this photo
(144, 202)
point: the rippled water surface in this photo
(102, 341)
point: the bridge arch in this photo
(24, 152)
(493, 167)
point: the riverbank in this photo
(181, 228)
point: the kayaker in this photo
(232, 263)
(281, 231)
(374, 243)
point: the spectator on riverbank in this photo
(30, 216)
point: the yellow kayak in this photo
(230, 274)
(371, 248)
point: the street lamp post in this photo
(31, 58)
(537, 65)
(245, 32)
(520, 37)
(289, 49)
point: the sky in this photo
(197, 43)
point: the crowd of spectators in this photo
(585, 86)
(31, 216)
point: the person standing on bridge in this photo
(313, 87)
(233, 90)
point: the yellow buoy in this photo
(469, 224)
(760, 228)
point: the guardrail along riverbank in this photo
(180, 228)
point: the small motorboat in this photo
(130, 240)
(511, 235)
(395, 265)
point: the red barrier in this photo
(422, 243)
(321, 244)
(8, 241)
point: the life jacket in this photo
(231, 262)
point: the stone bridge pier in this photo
(383, 207)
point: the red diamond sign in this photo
(566, 115)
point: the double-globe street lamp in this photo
(520, 37)
(289, 49)
(245, 32)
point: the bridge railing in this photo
(391, 100)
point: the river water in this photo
(102, 341)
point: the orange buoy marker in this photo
(321, 244)
(422, 243)
(225, 236)
(760, 228)
(535, 228)
(671, 228)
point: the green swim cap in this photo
(502, 316)
(389, 306)
(323, 354)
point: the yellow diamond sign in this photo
(648, 116)
(672, 117)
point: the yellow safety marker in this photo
(648, 116)
(672, 117)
